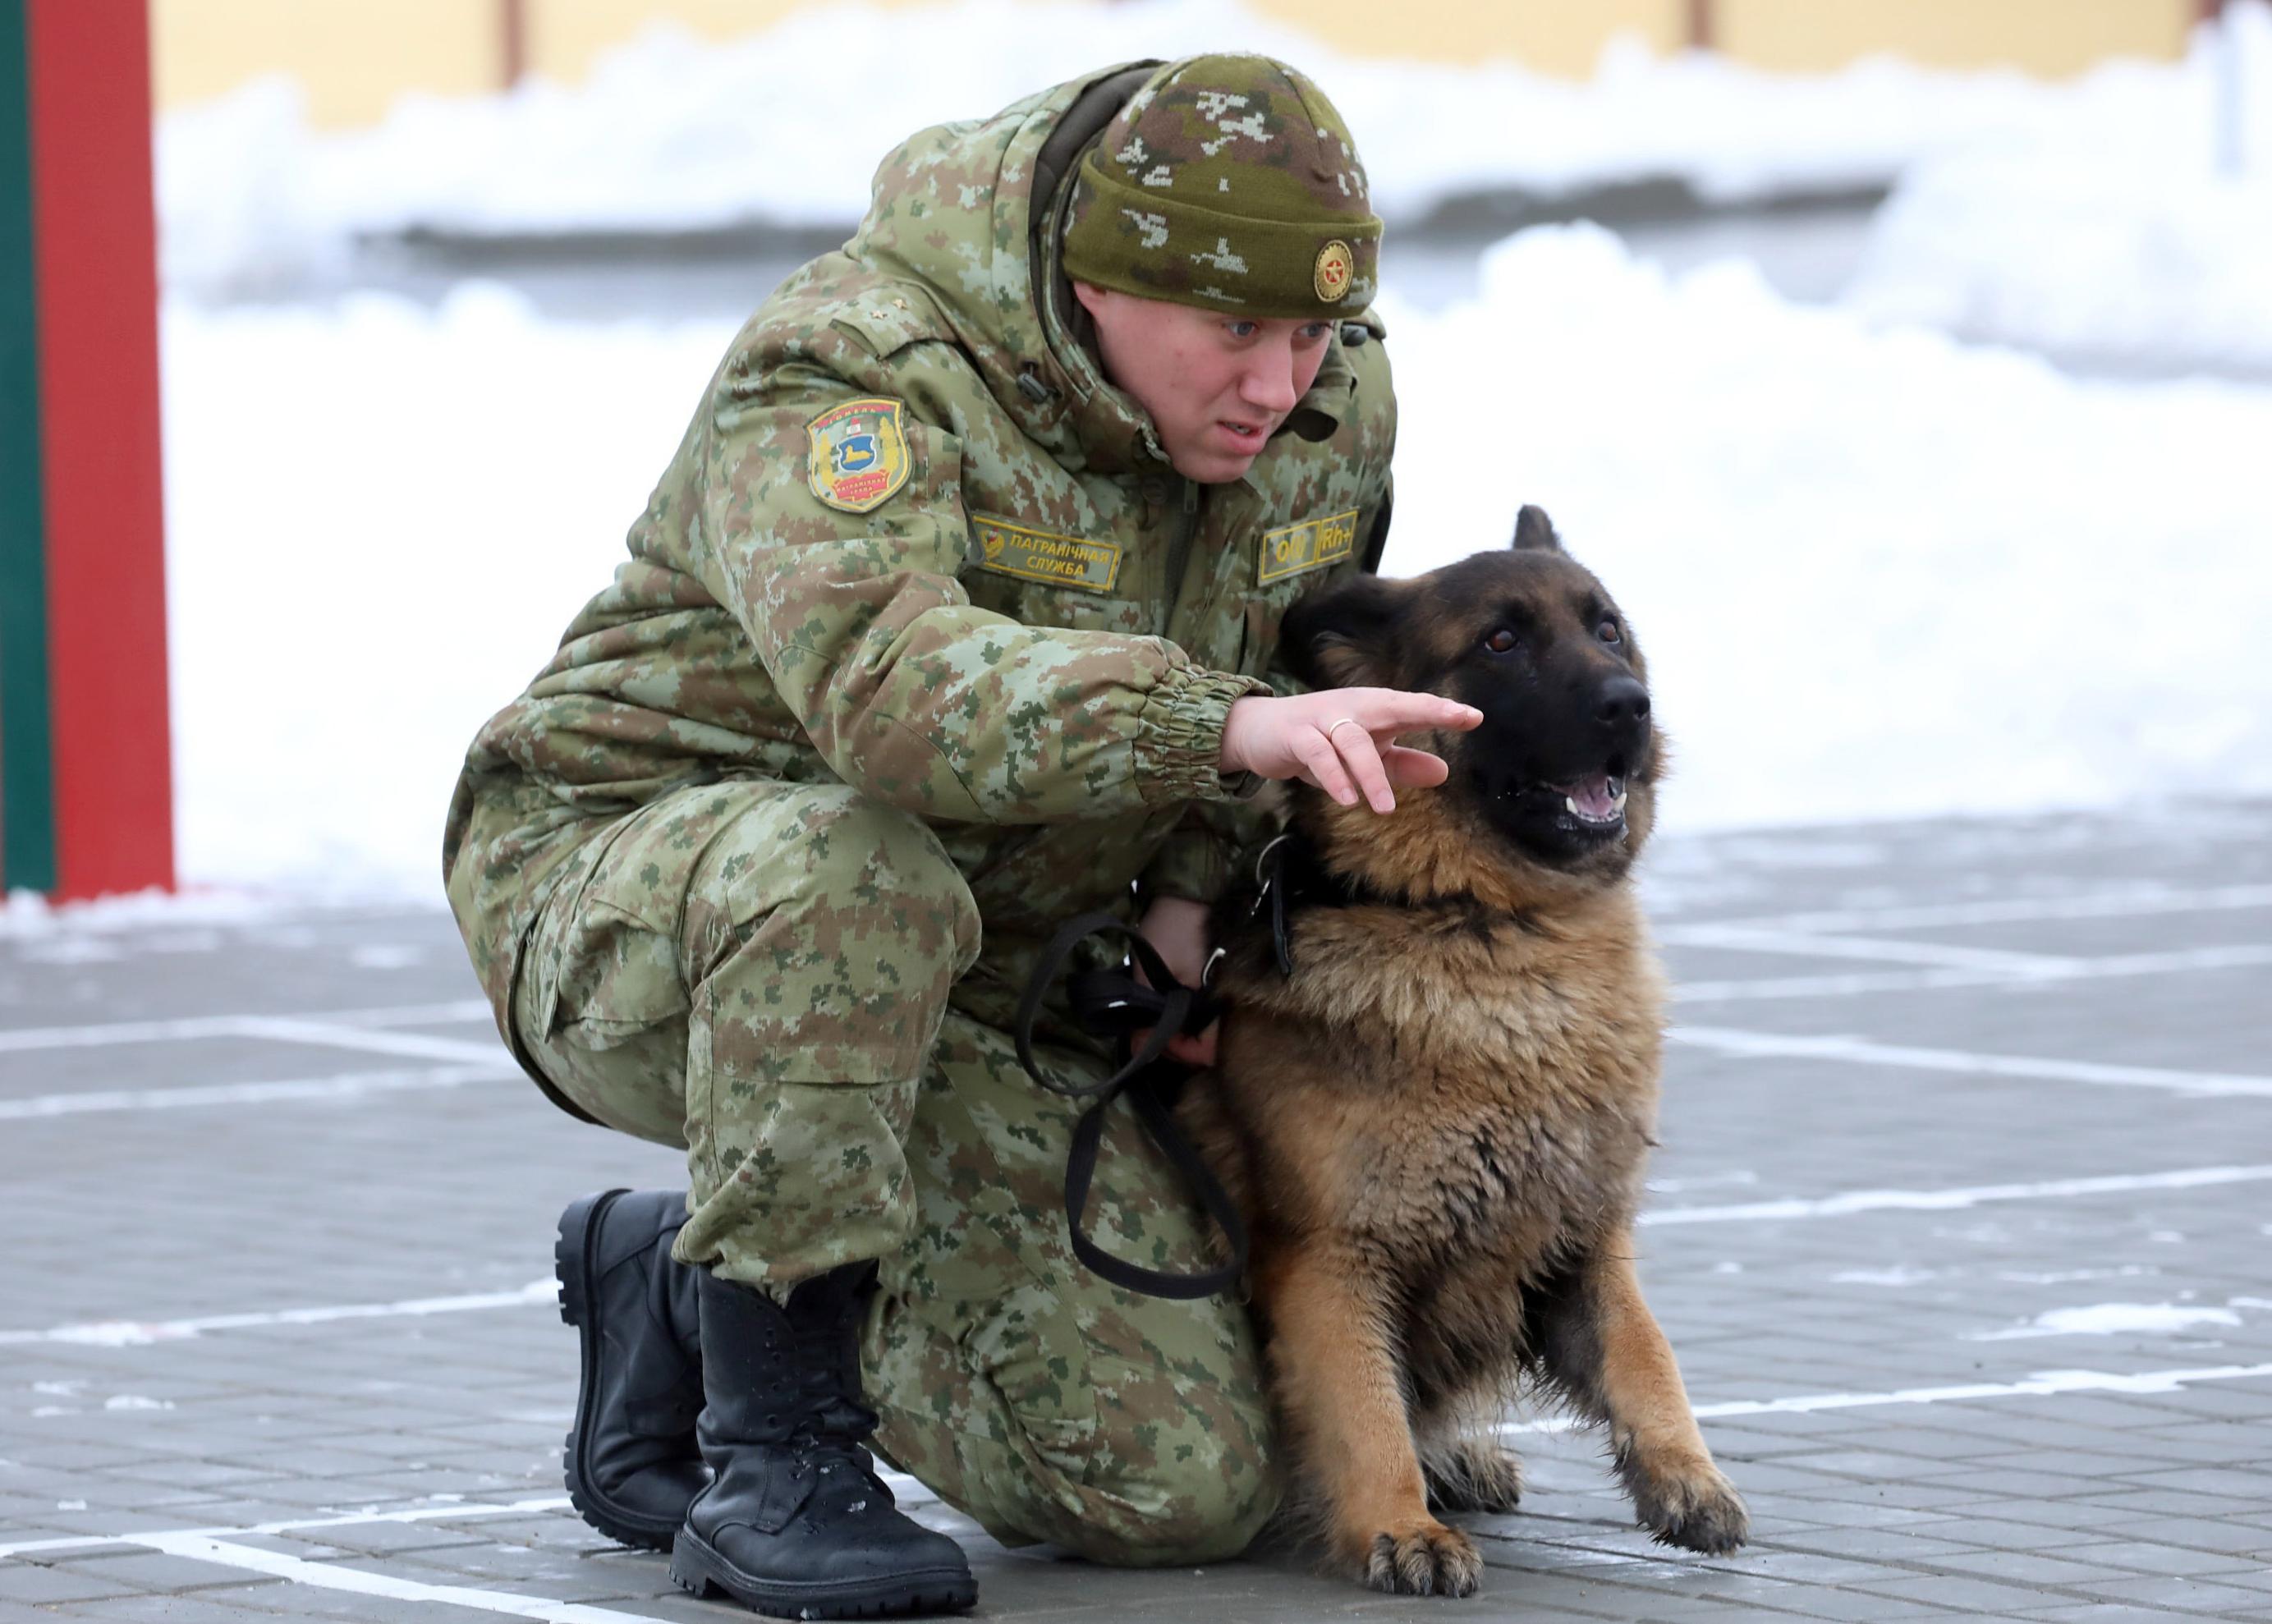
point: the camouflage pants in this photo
(765, 974)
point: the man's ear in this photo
(1090, 296)
(1345, 637)
(1534, 531)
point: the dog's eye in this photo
(1607, 632)
(1499, 641)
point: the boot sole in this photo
(699, 1570)
(574, 1267)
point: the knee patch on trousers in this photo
(1040, 1431)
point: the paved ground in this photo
(1960, 1228)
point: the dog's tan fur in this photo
(1436, 1128)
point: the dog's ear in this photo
(1344, 637)
(1534, 531)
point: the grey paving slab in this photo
(2152, 1501)
(2107, 1613)
(175, 1609)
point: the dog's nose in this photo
(1623, 703)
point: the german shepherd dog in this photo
(1438, 1077)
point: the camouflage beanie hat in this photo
(1230, 182)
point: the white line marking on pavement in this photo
(2241, 956)
(140, 1334)
(1859, 1052)
(232, 1026)
(2125, 903)
(362, 1582)
(2044, 1385)
(904, 1489)
(2050, 1383)
(1940, 956)
(456, 1511)
(346, 1085)
(1949, 1199)
(319, 1033)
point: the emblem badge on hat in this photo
(1336, 264)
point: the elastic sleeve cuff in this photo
(1179, 736)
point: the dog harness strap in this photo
(1114, 1002)
(1290, 879)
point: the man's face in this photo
(1217, 384)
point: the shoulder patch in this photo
(1009, 548)
(857, 455)
(1311, 545)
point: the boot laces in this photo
(834, 1423)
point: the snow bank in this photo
(1877, 575)
(2150, 242)
(380, 519)
(671, 132)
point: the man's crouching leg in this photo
(1045, 1403)
(757, 972)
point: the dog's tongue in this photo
(1592, 797)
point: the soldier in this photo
(952, 615)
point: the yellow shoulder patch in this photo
(1311, 545)
(858, 454)
(1009, 548)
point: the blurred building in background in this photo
(354, 57)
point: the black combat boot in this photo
(633, 1464)
(796, 1522)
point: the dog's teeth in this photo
(1571, 801)
(1619, 803)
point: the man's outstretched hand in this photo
(1298, 737)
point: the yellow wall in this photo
(1552, 38)
(354, 57)
(2049, 37)
(565, 35)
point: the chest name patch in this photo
(1311, 545)
(1009, 548)
(857, 455)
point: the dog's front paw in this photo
(1426, 1558)
(1694, 1506)
(1475, 1474)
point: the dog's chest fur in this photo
(1448, 1090)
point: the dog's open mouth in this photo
(1595, 803)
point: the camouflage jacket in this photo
(915, 542)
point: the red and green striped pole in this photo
(86, 774)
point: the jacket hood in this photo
(955, 209)
(972, 213)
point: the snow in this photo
(32, 923)
(675, 133)
(1877, 573)
(2108, 1319)
(381, 518)
(2138, 243)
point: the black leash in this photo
(1113, 1003)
